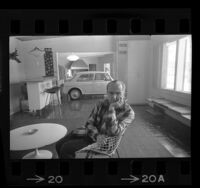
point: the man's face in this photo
(115, 93)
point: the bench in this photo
(179, 112)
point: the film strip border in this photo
(101, 172)
(96, 22)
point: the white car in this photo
(88, 82)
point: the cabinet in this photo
(36, 95)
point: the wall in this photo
(15, 95)
(122, 61)
(16, 70)
(64, 44)
(154, 87)
(121, 66)
(31, 68)
(91, 59)
(142, 63)
(96, 58)
(16, 75)
(127, 38)
(62, 58)
(139, 53)
(108, 58)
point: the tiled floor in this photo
(174, 136)
(153, 136)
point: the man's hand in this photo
(80, 131)
(115, 105)
(101, 139)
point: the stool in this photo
(51, 92)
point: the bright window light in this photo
(176, 67)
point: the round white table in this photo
(36, 136)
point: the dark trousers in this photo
(71, 143)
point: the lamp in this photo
(72, 57)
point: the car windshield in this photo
(108, 77)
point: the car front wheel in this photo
(75, 94)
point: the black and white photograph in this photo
(100, 96)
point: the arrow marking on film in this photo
(131, 179)
(38, 179)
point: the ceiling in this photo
(28, 38)
(85, 54)
(80, 54)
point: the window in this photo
(92, 67)
(102, 76)
(85, 77)
(107, 68)
(99, 76)
(176, 66)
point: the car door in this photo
(100, 83)
(85, 83)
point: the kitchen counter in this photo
(40, 79)
(37, 98)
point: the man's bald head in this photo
(115, 91)
(117, 82)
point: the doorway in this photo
(92, 67)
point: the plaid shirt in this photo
(110, 123)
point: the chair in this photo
(108, 148)
(51, 92)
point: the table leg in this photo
(39, 154)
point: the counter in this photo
(36, 95)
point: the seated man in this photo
(109, 117)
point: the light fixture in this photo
(72, 57)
